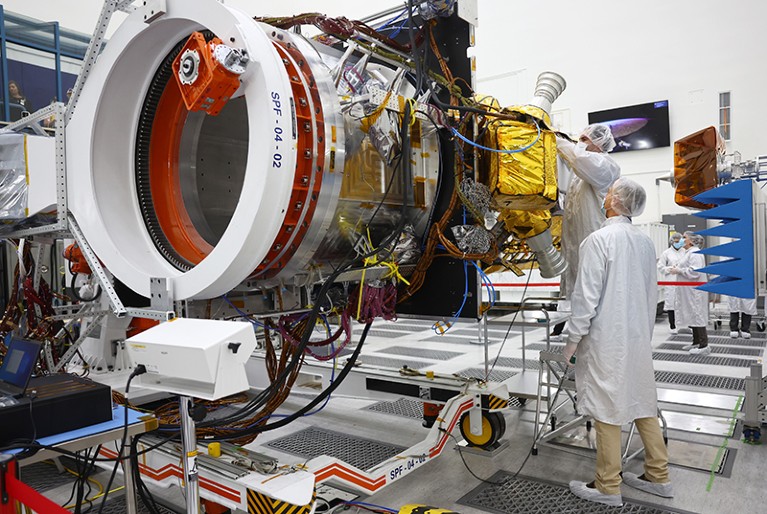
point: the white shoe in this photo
(555, 337)
(700, 351)
(735, 334)
(639, 482)
(581, 490)
(689, 347)
(745, 335)
(674, 331)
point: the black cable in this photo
(414, 51)
(265, 395)
(466, 465)
(500, 349)
(37, 447)
(141, 488)
(445, 107)
(84, 469)
(316, 401)
(80, 469)
(145, 493)
(75, 293)
(140, 369)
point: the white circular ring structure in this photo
(101, 146)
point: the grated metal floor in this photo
(541, 347)
(697, 380)
(43, 476)
(455, 340)
(117, 506)
(754, 334)
(687, 338)
(492, 332)
(504, 494)
(513, 362)
(357, 451)
(728, 350)
(496, 375)
(404, 407)
(387, 333)
(439, 355)
(703, 359)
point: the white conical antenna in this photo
(547, 89)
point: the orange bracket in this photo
(205, 82)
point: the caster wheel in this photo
(588, 426)
(535, 451)
(717, 325)
(553, 423)
(665, 440)
(761, 325)
(493, 428)
(522, 401)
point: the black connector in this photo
(140, 370)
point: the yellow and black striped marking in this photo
(424, 509)
(496, 402)
(261, 504)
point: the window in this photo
(725, 119)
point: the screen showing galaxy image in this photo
(636, 127)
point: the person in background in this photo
(692, 303)
(16, 96)
(741, 310)
(593, 172)
(50, 121)
(668, 259)
(614, 302)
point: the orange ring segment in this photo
(165, 185)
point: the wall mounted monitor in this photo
(636, 127)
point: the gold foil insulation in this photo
(524, 224)
(525, 180)
(695, 163)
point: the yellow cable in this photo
(413, 110)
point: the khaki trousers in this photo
(608, 479)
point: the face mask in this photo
(678, 244)
(581, 145)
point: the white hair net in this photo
(675, 238)
(628, 197)
(696, 239)
(600, 135)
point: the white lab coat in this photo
(593, 174)
(744, 305)
(614, 304)
(691, 303)
(668, 259)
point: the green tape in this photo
(719, 455)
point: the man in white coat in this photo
(614, 305)
(691, 302)
(668, 259)
(592, 172)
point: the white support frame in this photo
(57, 111)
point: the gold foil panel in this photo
(523, 180)
(525, 224)
(695, 162)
